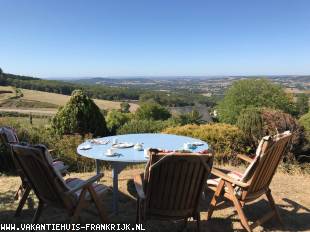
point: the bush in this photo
(224, 139)
(250, 121)
(253, 93)
(193, 117)
(143, 126)
(256, 123)
(116, 119)
(25, 134)
(152, 111)
(64, 147)
(305, 122)
(125, 106)
(80, 115)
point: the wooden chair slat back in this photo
(268, 165)
(41, 176)
(8, 135)
(174, 183)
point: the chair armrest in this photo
(139, 186)
(85, 183)
(245, 158)
(63, 169)
(224, 176)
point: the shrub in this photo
(125, 107)
(250, 121)
(152, 111)
(116, 119)
(257, 123)
(305, 122)
(143, 126)
(302, 103)
(80, 115)
(65, 149)
(25, 134)
(224, 139)
(253, 93)
(193, 117)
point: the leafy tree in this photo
(253, 93)
(125, 107)
(152, 111)
(302, 103)
(80, 115)
(116, 119)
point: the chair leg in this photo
(22, 201)
(213, 202)
(137, 210)
(38, 213)
(19, 190)
(140, 216)
(184, 224)
(98, 204)
(79, 206)
(198, 221)
(273, 206)
(244, 220)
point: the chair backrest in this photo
(8, 135)
(174, 184)
(41, 175)
(268, 164)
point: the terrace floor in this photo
(291, 193)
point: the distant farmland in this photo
(38, 102)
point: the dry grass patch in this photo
(291, 193)
(59, 99)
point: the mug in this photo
(138, 147)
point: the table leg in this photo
(97, 166)
(116, 169)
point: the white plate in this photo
(99, 142)
(123, 145)
(85, 147)
(197, 143)
(111, 155)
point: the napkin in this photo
(98, 141)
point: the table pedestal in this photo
(117, 167)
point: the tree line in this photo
(106, 92)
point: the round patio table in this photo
(127, 156)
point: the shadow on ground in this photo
(295, 216)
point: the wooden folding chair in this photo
(51, 189)
(8, 138)
(241, 189)
(172, 186)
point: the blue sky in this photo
(75, 38)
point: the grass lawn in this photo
(291, 193)
(36, 122)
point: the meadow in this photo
(39, 102)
